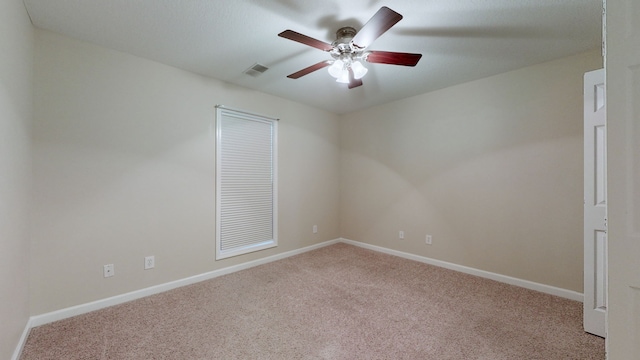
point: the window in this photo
(246, 182)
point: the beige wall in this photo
(124, 167)
(16, 53)
(491, 168)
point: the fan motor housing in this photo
(344, 35)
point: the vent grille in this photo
(256, 70)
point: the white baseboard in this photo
(46, 318)
(564, 293)
(23, 340)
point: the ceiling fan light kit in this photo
(349, 49)
(346, 56)
(340, 70)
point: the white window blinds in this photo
(246, 207)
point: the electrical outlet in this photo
(401, 234)
(315, 229)
(429, 240)
(149, 262)
(109, 270)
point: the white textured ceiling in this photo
(461, 40)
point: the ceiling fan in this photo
(349, 49)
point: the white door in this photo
(623, 177)
(595, 204)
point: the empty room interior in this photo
(470, 159)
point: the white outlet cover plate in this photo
(108, 270)
(149, 262)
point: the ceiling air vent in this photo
(256, 70)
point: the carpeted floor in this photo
(338, 302)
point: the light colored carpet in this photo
(338, 302)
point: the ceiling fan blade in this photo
(353, 82)
(304, 39)
(309, 69)
(382, 21)
(393, 58)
